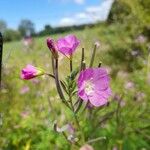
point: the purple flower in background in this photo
(93, 85)
(71, 129)
(115, 148)
(122, 103)
(52, 46)
(139, 96)
(129, 85)
(97, 43)
(141, 39)
(25, 114)
(86, 147)
(135, 53)
(68, 44)
(30, 72)
(24, 89)
(35, 81)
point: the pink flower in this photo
(115, 148)
(141, 39)
(129, 85)
(52, 46)
(68, 44)
(86, 147)
(71, 129)
(25, 114)
(97, 43)
(31, 72)
(93, 85)
(35, 81)
(24, 90)
(122, 103)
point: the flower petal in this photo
(68, 44)
(100, 98)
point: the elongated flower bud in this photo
(53, 47)
(30, 72)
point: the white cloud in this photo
(79, 18)
(100, 12)
(90, 15)
(81, 15)
(67, 21)
(75, 20)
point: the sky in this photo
(54, 12)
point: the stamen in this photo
(89, 87)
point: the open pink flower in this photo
(68, 44)
(93, 85)
(30, 72)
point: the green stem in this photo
(79, 127)
(99, 65)
(73, 110)
(97, 139)
(50, 75)
(59, 90)
(77, 121)
(76, 143)
(93, 56)
(71, 65)
(82, 59)
(65, 136)
(118, 112)
(79, 105)
(70, 100)
(82, 67)
(120, 146)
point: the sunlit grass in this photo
(21, 128)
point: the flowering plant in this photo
(85, 88)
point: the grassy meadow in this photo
(27, 116)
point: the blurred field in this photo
(27, 117)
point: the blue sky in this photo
(53, 12)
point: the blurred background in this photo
(27, 109)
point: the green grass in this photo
(19, 131)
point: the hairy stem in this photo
(93, 56)
(59, 90)
(82, 59)
(71, 65)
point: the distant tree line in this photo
(50, 30)
(135, 12)
(26, 28)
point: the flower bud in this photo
(30, 72)
(52, 46)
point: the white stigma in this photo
(88, 87)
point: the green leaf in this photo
(74, 73)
